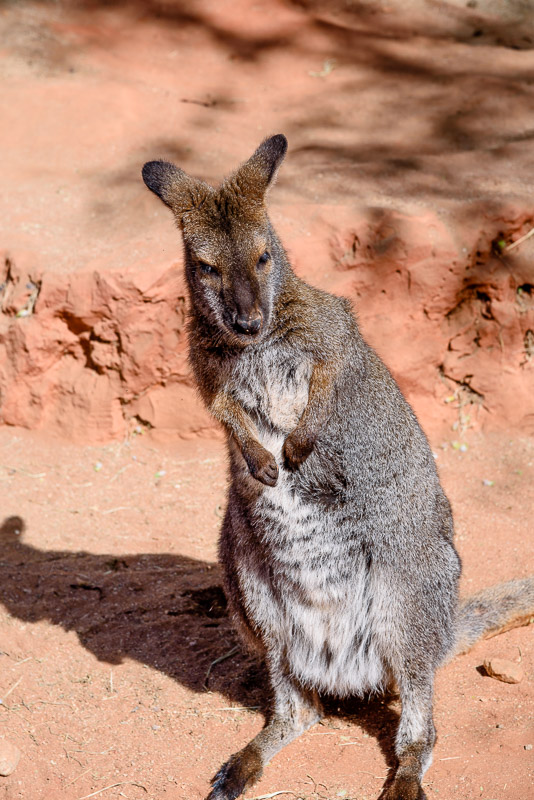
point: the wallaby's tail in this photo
(494, 610)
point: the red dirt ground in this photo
(111, 618)
(410, 160)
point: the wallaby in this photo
(337, 543)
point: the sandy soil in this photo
(112, 623)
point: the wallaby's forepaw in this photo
(404, 788)
(262, 465)
(297, 447)
(240, 771)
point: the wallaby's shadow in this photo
(378, 717)
(166, 611)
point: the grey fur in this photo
(345, 571)
(343, 574)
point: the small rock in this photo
(9, 757)
(528, 747)
(503, 670)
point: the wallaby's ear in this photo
(257, 174)
(177, 189)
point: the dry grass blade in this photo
(519, 241)
(24, 660)
(78, 776)
(218, 661)
(122, 469)
(112, 786)
(274, 794)
(12, 688)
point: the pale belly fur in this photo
(321, 623)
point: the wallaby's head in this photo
(233, 259)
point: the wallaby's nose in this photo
(250, 325)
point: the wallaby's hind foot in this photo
(407, 782)
(404, 787)
(240, 771)
(415, 736)
(294, 712)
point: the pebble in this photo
(9, 757)
(503, 670)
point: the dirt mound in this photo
(93, 355)
(451, 315)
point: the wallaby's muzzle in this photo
(250, 325)
(247, 303)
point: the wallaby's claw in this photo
(267, 473)
(297, 447)
(262, 465)
(240, 771)
(221, 790)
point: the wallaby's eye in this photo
(207, 269)
(263, 259)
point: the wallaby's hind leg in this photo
(294, 711)
(415, 736)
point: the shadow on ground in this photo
(165, 611)
(411, 96)
(430, 105)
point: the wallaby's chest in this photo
(315, 600)
(272, 385)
